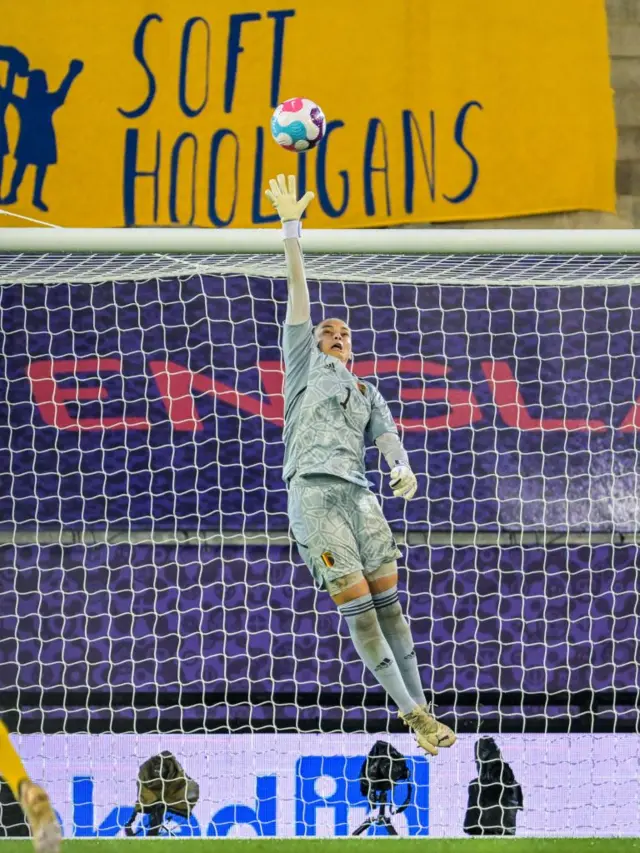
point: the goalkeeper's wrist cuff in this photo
(291, 228)
(391, 448)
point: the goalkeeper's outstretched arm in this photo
(283, 196)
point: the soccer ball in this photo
(298, 124)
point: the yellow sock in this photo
(11, 766)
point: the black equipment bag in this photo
(494, 796)
(383, 768)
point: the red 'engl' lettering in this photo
(51, 398)
(512, 408)
(178, 386)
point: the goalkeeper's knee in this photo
(337, 587)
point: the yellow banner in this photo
(142, 113)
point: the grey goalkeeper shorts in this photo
(339, 527)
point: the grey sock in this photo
(375, 652)
(398, 634)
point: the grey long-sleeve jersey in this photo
(328, 412)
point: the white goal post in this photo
(149, 589)
(408, 241)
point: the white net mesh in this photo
(150, 591)
(397, 268)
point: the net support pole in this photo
(320, 241)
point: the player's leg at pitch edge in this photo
(35, 803)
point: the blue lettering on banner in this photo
(186, 108)
(216, 142)
(302, 177)
(173, 184)
(458, 133)
(257, 216)
(193, 97)
(279, 18)
(342, 776)
(321, 175)
(261, 818)
(114, 823)
(409, 125)
(132, 173)
(369, 168)
(138, 52)
(234, 49)
(83, 812)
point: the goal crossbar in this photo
(320, 241)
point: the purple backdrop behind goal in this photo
(244, 618)
(176, 386)
(571, 353)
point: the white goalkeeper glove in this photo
(283, 196)
(403, 482)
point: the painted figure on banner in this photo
(17, 65)
(37, 138)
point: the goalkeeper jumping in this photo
(337, 522)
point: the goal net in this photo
(150, 593)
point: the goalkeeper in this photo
(337, 522)
(33, 799)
